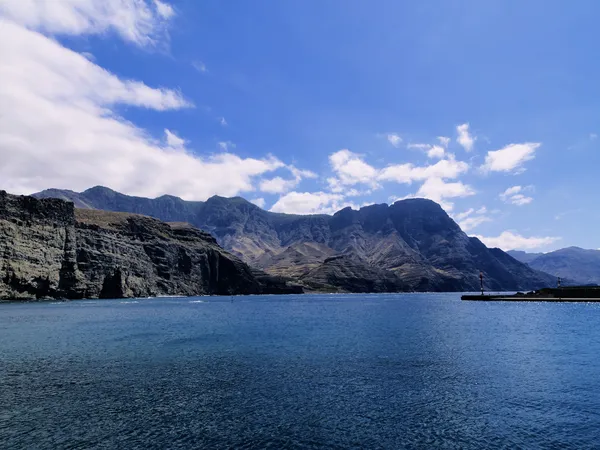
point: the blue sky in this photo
(315, 105)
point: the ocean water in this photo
(287, 372)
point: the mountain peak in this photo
(99, 189)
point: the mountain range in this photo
(409, 245)
(575, 263)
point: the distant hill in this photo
(410, 245)
(522, 256)
(577, 264)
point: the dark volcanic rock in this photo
(347, 273)
(50, 250)
(414, 239)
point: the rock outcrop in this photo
(346, 273)
(49, 249)
(414, 239)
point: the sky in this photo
(489, 108)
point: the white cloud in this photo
(394, 139)
(407, 173)
(199, 66)
(277, 185)
(299, 174)
(436, 152)
(174, 141)
(310, 203)
(512, 157)
(351, 169)
(433, 151)
(472, 218)
(473, 222)
(59, 127)
(510, 191)
(520, 200)
(463, 215)
(140, 22)
(444, 141)
(223, 122)
(509, 240)
(593, 136)
(515, 196)
(464, 138)
(260, 202)
(164, 10)
(438, 190)
(226, 145)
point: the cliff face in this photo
(50, 250)
(413, 240)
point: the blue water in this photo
(320, 371)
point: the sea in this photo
(415, 371)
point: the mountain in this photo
(414, 242)
(49, 249)
(522, 256)
(578, 264)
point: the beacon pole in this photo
(481, 281)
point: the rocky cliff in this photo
(413, 240)
(49, 249)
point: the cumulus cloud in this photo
(407, 173)
(394, 139)
(350, 169)
(436, 152)
(464, 137)
(509, 240)
(510, 158)
(438, 190)
(311, 203)
(432, 151)
(59, 125)
(279, 185)
(514, 195)
(140, 22)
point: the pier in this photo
(580, 294)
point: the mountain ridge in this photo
(576, 263)
(413, 240)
